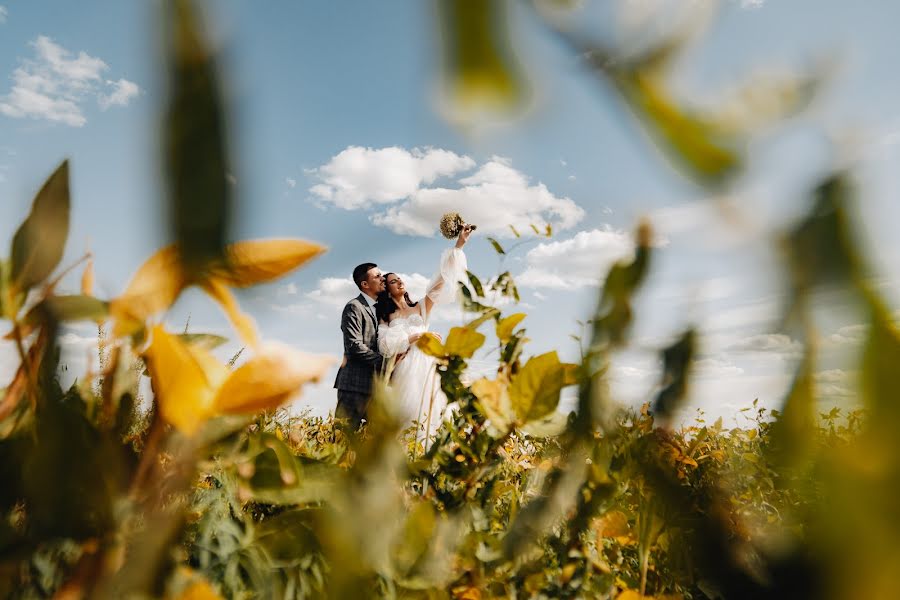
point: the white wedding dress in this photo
(415, 383)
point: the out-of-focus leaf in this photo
(153, 288)
(506, 285)
(534, 390)
(550, 425)
(879, 375)
(87, 278)
(793, 434)
(196, 154)
(242, 323)
(204, 341)
(38, 244)
(515, 231)
(493, 399)
(463, 342)
(199, 590)
(506, 326)
(251, 262)
(676, 366)
(287, 538)
(469, 304)
(480, 67)
(476, 284)
(184, 387)
(691, 138)
(431, 346)
(766, 98)
(266, 381)
(488, 315)
(820, 248)
(68, 308)
(614, 311)
(497, 247)
(414, 540)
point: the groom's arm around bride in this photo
(362, 360)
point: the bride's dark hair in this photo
(385, 305)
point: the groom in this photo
(361, 358)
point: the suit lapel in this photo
(368, 310)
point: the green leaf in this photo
(879, 374)
(415, 537)
(506, 285)
(205, 341)
(676, 364)
(793, 434)
(68, 308)
(506, 326)
(692, 140)
(463, 342)
(488, 314)
(497, 247)
(196, 155)
(515, 231)
(476, 284)
(40, 241)
(534, 391)
(481, 70)
(471, 305)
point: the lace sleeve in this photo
(392, 340)
(442, 288)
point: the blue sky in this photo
(337, 138)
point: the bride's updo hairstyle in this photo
(385, 305)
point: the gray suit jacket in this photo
(361, 357)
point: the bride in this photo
(415, 381)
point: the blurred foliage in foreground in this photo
(202, 491)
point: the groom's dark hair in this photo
(361, 272)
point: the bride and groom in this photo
(381, 327)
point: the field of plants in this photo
(207, 488)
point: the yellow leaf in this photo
(506, 326)
(87, 278)
(242, 323)
(431, 346)
(630, 595)
(534, 391)
(199, 590)
(251, 262)
(184, 392)
(493, 399)
(269, 379)
(153, 289)
(463, 342)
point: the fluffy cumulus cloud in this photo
(361, 177)
(582, 260)
(398, 186)
(55, 85)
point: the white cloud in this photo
(292, 183)
(55, 84)
(494, 197)
(714, 368)
(3, 14)
(768, 342)
(123, 91)
(582, 260)
(361, 177)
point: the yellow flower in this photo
(161, 279)
(192, 386)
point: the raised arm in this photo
(354, 347)
(443, 286)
